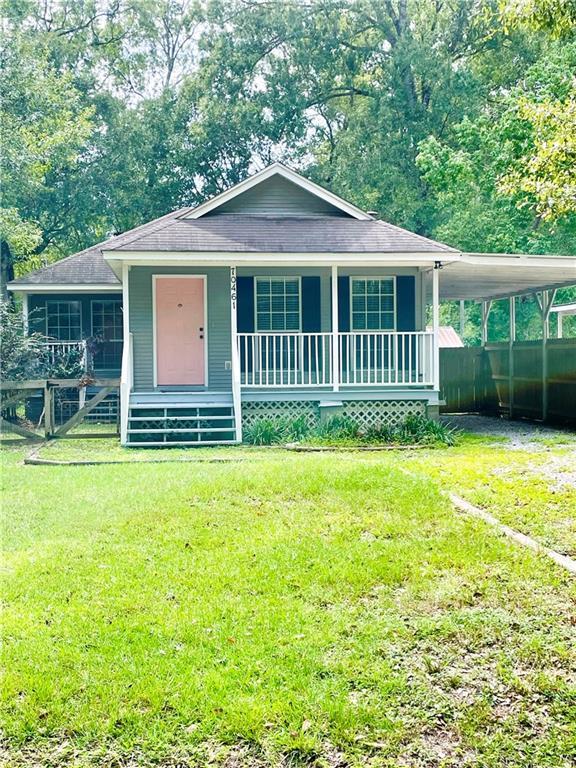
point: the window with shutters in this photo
(373, 303)
(63, 320)
(278, 304)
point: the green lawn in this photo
(282, 609)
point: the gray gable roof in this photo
(240, 226)
(240, 233)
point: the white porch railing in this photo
(386, 358)
(378, 358)
(270, 360)
(61, 351)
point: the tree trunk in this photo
(6, 270)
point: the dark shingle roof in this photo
(235, 233)
(88, 267)
(269, 234)
(85, 268)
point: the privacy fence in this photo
(524, 379)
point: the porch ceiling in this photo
(494, 276)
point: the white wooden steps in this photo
(165, 419)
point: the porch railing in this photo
(65, 353)
(386, 358)
(285, 359)
(379, 358)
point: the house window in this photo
(63, 320)
(107, 327)
(277, 303)
(373, 303)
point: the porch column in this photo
(335, 338)
(235, 355)
(436, 324)
(126, 376)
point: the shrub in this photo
(297, 428)
(339, 428)
(265, 432)
(21, 353)
(342, 430)
(421, 430)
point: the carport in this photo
(535, 379)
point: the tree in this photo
(45, 126)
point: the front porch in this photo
(316, 369)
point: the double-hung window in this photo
(63, 320)
(107, 327)
(278, 304)
(373, 302)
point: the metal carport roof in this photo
(485, 276)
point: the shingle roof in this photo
(88, 267)
(85, 268)
(235, 233)
(240, 233)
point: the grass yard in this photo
(283, 610)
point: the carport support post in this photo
(436, 323)
(512, 339)
(545, 306)
(486, 307)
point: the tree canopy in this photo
(454, 118)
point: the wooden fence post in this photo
(48, 411)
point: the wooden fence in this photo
(15, 396)
(526, 379)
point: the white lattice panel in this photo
(368, 413)
(280, 409)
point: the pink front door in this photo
(180, 331)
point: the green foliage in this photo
(338, 428)
(557, 17)
(424, 431)
(345, 431)
(267, 431)
(22, 353)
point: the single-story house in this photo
(274, 297)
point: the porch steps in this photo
(166, 419)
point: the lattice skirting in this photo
(369, 413)
(366, 412)
(280, 409)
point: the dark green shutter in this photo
(405, 303)
(343, 304)
(245, 288)
(311, 322)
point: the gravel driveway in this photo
(523, 435)
(556, 447)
